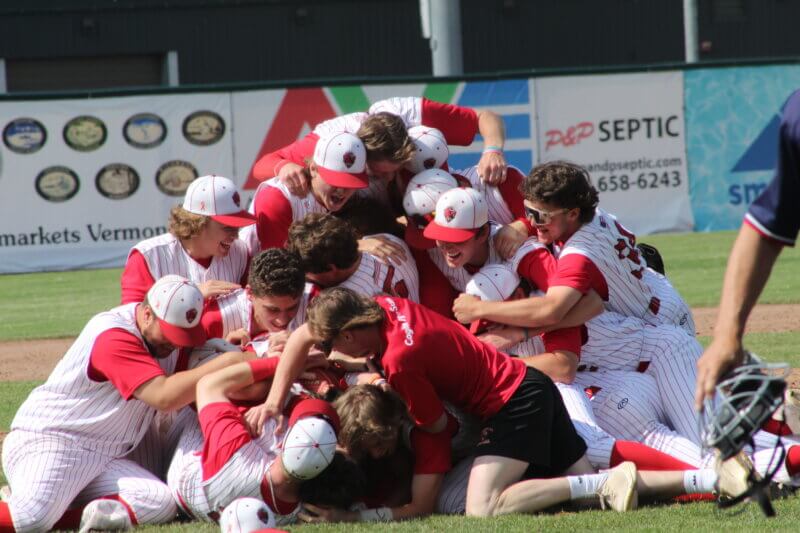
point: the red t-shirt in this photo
(120, 357)
(431, 451)
(458, 124)
(273, 217)
(429, 358)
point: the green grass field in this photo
(58, 304)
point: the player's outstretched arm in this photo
(559, 365)
(492, 165)
(542, 311)
(749, 267)
(170, 393)
(291, 365)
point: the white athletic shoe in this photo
(619, 491)
(733, 476)
(105, 515)
(5, 493)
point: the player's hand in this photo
(492, 167)
(238, 337)
(721, 356)
(257, 416)
(466, 308)
(508, 239)
(317, 514)
(383, 248)
(215, 288)
(277, 342)
(503, 337)
(295, 177)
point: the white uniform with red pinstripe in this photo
(633, 289)
(375, 276)
(244, 474)
(459, 277)
(496, 205)
(301, 206)
(68, 439)
(164, 255)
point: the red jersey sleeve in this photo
(273, 218)
(268, 166)
(120, 357)
(223, 434)
(136, 278)
(212, 319)
(431, 451)
(537, 267)
(423, 403)
(512, 196)
(568, 339)
(458, 124)
(580, 273)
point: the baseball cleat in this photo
(105, 515)
(619, 491)
(5, 493)
(734, 476)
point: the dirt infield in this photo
(34, 359)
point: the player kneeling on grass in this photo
(68, 439)
(232, 464)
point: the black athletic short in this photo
(534, 427)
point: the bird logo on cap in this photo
(349, 159)
(429, 163)
(449, 214)
(263, 515)
(236, 198)
(191, 314)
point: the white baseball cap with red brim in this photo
(431, 149)
(460, 214)
(178, 306)
(217, 197)
(492, 283)
(419, 203)
(341, 160)
(310, 442)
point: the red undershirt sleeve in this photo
(580, 273)
(212, 319)
(120, 357)
(431, 451)
(223, 434)
(458, 124)
(136, 278)
(268, 166)
(537, 267)
(273, 218)
(568, 339)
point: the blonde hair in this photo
(338, 309)
(185, 225)
(369, 415)
(386, 139)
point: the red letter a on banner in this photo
(298, 108)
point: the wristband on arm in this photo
(263, 368)
(493, 149)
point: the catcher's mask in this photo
(744, 400)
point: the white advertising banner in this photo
(628, 130)
(82, 180)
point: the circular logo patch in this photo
(57, 184)
(203, 128)
(24, 135)
(85, 133)
(174, 177)
(117, 181)
(144, 130)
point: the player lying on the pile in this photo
(69, 438)
(526, 432)
(218, 461)
(202, 244)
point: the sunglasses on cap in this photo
(542, 217)
(421, 221)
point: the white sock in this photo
(585, 486)
(699, 481)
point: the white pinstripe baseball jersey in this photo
(348, 123)
(94, 413)
(301, 206)
(459, 277)
(498, 208)
(375, 276)
(164, 255)
(613, 251)
(243, 475)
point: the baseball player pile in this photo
(378, 337)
